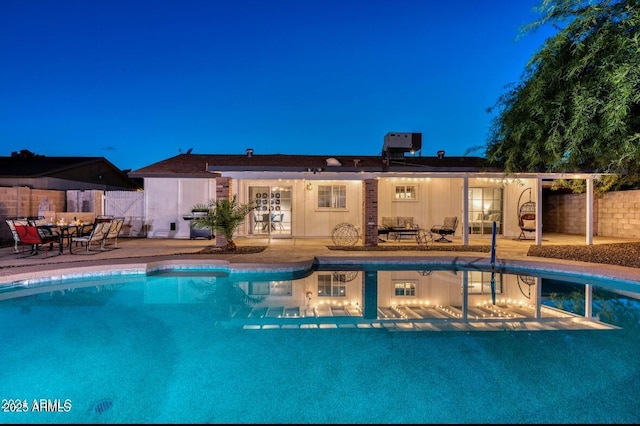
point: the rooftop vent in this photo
(333, 162)
(249, 152)
(440, 154)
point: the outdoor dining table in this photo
(63, 231)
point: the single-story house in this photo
(307, 196)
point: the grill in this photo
(196, 231)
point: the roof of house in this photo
(81, 169)
(201, 165)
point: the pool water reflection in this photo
(202, 346)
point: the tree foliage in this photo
(25, 153)
(224, 216)
(577, 106)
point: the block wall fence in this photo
(22, 201)
(616, 214)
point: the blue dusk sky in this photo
(139, 81)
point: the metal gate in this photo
(130, 205)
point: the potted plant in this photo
(224, 216)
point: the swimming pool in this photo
(405, 343)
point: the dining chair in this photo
(276, 220)
(97, 235)
(112, 234)
(258, 221)
(29, 235)
(12, 227)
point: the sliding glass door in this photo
(485, 207)
(272, 215)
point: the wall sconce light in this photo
(309, 186)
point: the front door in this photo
(272, 215)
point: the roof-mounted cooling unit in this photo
(396, 144)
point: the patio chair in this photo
(97, 235)
(112, 235)
(258, 221)
(527, 219)
(29, 235)
(276, 220)
(12, 228)
(448, 227)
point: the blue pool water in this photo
(377, 345)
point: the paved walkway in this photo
(287, 254)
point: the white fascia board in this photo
(327, 175)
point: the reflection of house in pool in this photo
(410, 299)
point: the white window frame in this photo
(404, 288)
(331, 286)
(401, 192)
(479, 282)
(270, 288)
(338, 194)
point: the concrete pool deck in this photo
(291, 254)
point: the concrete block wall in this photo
(619, 214)
(565, 213)
(22, 201)
(616, 214)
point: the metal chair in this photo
(98, 233)
(448, 227)
(29, 235)
(258, 221)
(276, 220)
(12, 226)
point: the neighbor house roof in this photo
(89, 170)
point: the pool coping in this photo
(570, 269)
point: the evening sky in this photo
(140, 81)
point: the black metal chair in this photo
(448, 227)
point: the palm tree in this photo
(224, 216)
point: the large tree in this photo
(577, 106)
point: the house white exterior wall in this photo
(167, 200)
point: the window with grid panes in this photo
(405, 288)
(406, 192)
(332, 196)
(479, 282)
(330, 286)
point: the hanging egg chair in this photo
(526, 215)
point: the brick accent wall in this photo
(616, 214)
(370, 212)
